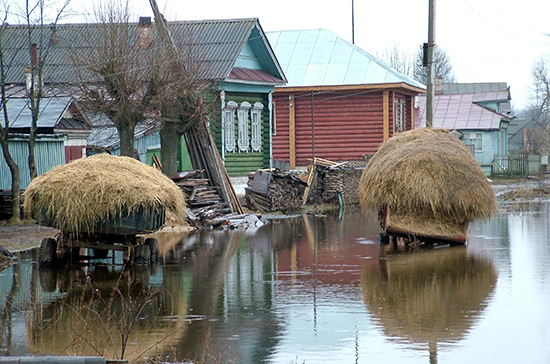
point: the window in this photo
(474, 141)
(242, 115)
(399, 116)
(229, 126)
(256, 126)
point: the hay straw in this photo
(430, 182)
(78, 195)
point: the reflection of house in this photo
(479, 111)
(339, 103)
(62, 133)
(233, 54)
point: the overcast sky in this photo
(486, 40)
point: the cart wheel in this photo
(153, 245)
(48, 252)
(142, 255)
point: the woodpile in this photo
(274, 190)
(326, 182)
(5, 204)
(337, 182)
(203, 200)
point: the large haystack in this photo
(430, 182)
(76, 196)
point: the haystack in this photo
(77, 196)
(430, 183)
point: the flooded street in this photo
(311, 289)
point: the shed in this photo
(340, 102)
(57, 115)
(49, 151)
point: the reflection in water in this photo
(429, 297)
(309, 288)
(106, 311)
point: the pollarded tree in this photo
(113, 72)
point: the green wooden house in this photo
(234, 55)
(239, 58)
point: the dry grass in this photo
(429, 181)
(78, 195)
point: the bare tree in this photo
(113, 76)
(397, 58)
(539, 107)
(442, 67)
(35, 18)
(4, 128)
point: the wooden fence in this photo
(516, 164)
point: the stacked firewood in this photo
(276, 191)
(338, 184)
(5, 204)
(202, 199)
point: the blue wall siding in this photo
(141, 144)
(49, 152)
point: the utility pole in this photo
(352, 23)
(431, 76)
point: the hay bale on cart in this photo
(102, 202)
(426, 183)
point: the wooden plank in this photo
(292, 131)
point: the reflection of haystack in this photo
(77, 196)
(430, 183)
(429, 297)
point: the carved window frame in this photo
(242, 118)
(229, 126)
(256, 127)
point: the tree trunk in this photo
(126, 135)
(15, 179)
(169, 141)
(35, 108)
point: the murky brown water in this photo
(311, 289)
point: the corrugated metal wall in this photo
(49, 152)
(347, 125)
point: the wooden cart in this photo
(117, 233)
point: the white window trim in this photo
(229, 126)
(242, 116)
(256, 127)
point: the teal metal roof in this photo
(320, 58)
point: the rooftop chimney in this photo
(145, 36)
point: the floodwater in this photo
(306, 289)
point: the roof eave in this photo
(377, 86)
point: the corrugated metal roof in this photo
(320, 58)
(213, 45)
(458, 112)
(51, 111)
(473, 87)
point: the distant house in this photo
(233, 54)
(340, 102)
(62, 135)
(479, 111)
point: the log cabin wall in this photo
(347, 124)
